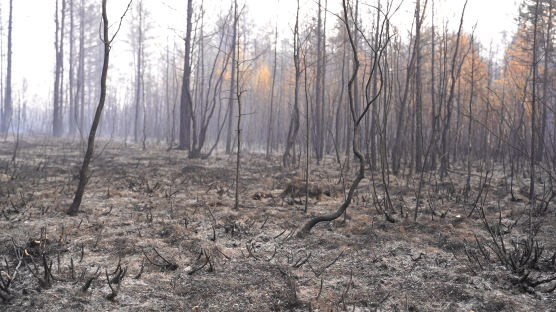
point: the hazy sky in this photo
(33, 29)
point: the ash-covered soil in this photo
(169, 222)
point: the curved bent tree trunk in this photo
(83, 173)
(356, 122)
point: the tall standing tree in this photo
(7, 107)
(185, 100)
(84, 172)
(319, 101)
(139, 66)
(434, 116)
(371, 142)
(470, 125)
(270, 114)
(546, 87)
(419, 150)
(232, 83)
(398, 139)
(71, 78)
(239, 92)
(79, 110)
(206, 103)
(294, 121)
(57, 121)
(455, 71)
(534, 69)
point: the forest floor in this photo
(170, 223)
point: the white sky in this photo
(33, 29)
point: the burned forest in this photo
(277, 155)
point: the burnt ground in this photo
(214, 258)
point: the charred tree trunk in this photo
(419, 151)
(546, 83)
(454, 72)
(185, 101)
(294, 123)
(399, 137)
(532, 155)
(374, 110)
(71, 119)
(7, 108)
(434, 117)
(138, 72)
(318, 135)
(235, 63)
(84, 172)
(470, 124)
(57, 123)
(232, 84)
(356, 118)
(80, 94)
(270, 114)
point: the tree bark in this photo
(397, 147)
(470, 124)
(434, 117)
(418, 92)
(7, 109)
(185, 100)
(232, 84)
(57, 123)
(84, 172)
(270, 114)
(532, 158)
(356, 118)
(138, 72)
(71, 119)
(235, 61)
(546, 83)
(444, 158)
(294, 123)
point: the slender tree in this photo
(454, 72)
(470, 124)
(84, 172)
(138, 68)
(546, 88)
(397, 147)
(185, 101)
(57, 122)
(419, 150)
(287, 158)
(239, 92)
(356, 117)
(71, 74)
(270, 114)
(213, 85)
(434, 116)
(80, 92)
(534, 69)
(232, 83)
(319, 101)
(7, 107)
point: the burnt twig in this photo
(89, 281)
